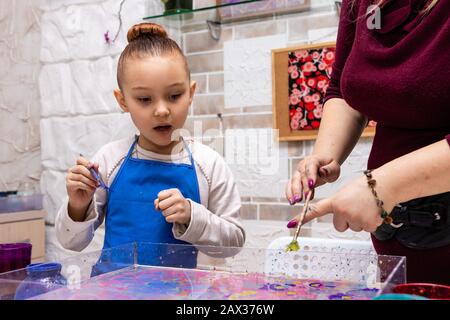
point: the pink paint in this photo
(153, 283)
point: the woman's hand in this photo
(354, 207)
(81, 186)
(311, 172)
(175, 208)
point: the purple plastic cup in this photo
(14, 256)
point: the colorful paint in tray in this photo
(170, 283)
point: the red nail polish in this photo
(292, 224)
(311, 184)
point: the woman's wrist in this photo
(418, 174)
(386, 189)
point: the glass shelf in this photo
(218, 12)
(204, 6)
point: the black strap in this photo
(415, 218)
(435, 210)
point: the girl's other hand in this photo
(312, 171)
(174, 207)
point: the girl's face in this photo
(157, 93)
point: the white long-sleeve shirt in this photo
(214, 222)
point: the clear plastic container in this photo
(41, 278)
(15, 203)
(127, 272)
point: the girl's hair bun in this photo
(145, 30)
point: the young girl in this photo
(153, 193)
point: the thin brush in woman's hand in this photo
(293, 246)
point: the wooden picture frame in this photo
(298, 94)
(259, 9)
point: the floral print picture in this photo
(309, 75)
(300, 79)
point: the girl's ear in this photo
(120, 100)
(192, 90)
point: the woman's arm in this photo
(340, 128)
(421, 173)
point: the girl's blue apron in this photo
(131, 215)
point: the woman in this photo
(396, 73)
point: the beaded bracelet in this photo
(372, 182)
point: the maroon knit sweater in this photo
(399, 76)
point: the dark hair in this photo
(147, 39)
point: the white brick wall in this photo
(75, 30)
(68, 88)
(63, 139)
(259, 164)
(247, 70)
(20, 38)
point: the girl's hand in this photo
(175, 208)
(81, 186)
(311, 172)
(353, 206)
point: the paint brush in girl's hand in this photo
(96, 176)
